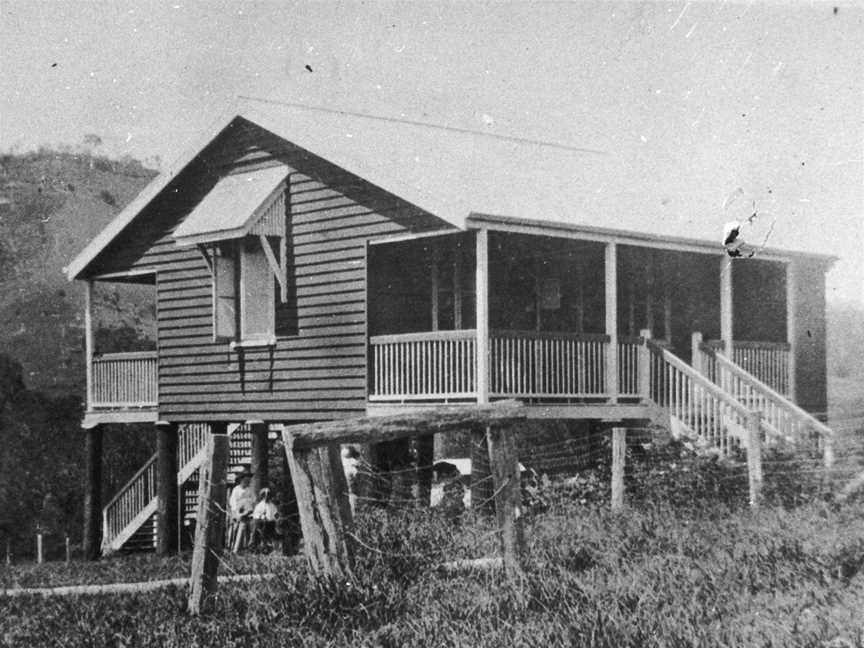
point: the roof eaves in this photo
(79, 264)
(476, 218)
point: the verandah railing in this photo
(629, 359)
(417, 366)
(124, 380)
(534, 364)
(441, 365)
(768, 361)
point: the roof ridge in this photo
(414, 122)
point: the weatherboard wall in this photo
(318, 372)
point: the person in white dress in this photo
(241, 504)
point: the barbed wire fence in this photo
(576, 471)
(395, 526)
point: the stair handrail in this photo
(127, 491)
(697, 377)
(802, 415)
(130, 483)
(703, 410)
(183, 473)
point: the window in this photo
(245, 294)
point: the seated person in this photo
(240, 506)
(264, 520)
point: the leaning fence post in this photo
(504, 464)
(210, 525)
(619, 452)
(481, 484)
(754, 457)
(323, 505)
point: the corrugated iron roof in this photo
(455, 173)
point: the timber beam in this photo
(413, 423)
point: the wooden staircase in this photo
(713, 409)
(129, 519)
(782, 419)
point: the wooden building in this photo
(311, 266)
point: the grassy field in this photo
(697, 569)
(125, 568)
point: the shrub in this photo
(108, 198)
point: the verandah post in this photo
(754, 457)
(725, 320)
(645, 365)
(323, 506)
(210, 528)
(167, 490)
(619, 453)
(696, 351)
(726, 305)
(88, 341)
(504, 464)
(611, 277)
(791, 333)
(482, 315)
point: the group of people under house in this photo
(253, 516)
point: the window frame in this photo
(249, 274)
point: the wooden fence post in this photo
(8, 553)
(40, 557)
(291, 533)
(68, 550)
(324, 508)
(504, 464)
(828, 452)
(481, 481)
(754, 457)
(425, 460)
(619, 453)
(210, 527)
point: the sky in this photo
(703, 108)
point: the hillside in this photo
(51, 204)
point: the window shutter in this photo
(258, 295)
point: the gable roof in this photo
(453, 173)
